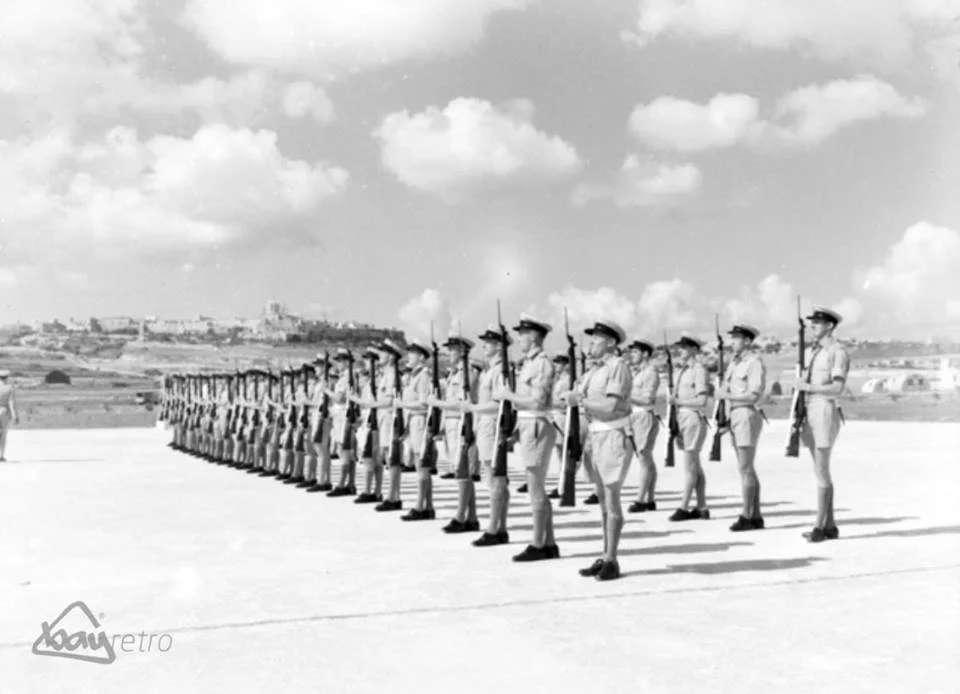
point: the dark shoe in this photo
(293, 480)
(532, 553)
(741, 525)
(471, 526)
(815, 535)
(681, 515)
(637, 507)
(593, 569)
(476, 478)
(389, 506)
(555, 494)
(339, 491)
(368, 499)
(831, 533)
(700, 514)
(553, 552)
(447, 476)
(609, 572)
(409, 468)
(253, 470)
(652, 506)
(453, 526)
(591, 500)
(757, 522)
(522, 489)
(416, 515)
(488, 540)
(326, 487)
(306, 484)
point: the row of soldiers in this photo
(390, 410)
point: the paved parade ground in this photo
(243, 584)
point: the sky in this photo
(655, 163)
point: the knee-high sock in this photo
(613, 528)
(428, 491)
(539, 525)
(462, 501)
(369, 467)
(395, 472)
(471, 516)
(377, 478)
(548, 537)
(701, 487)
(496, 496)
(756, 496)
(749, 494)
(823, 496)
(830, 523)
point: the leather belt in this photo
(615, 425)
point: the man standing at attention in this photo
(825, 380)
(743, 387)
(536, 434)
(605, 398)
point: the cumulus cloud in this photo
(417, 314)
(471, 144)
(671, 305)
(805, 116)
(583, 306)
(771, 304)
(324, 37)
(816, 112)
(878, 32)
(918, 282)
(218, 187)
(645, 184)
(677, 124)
(7, 276)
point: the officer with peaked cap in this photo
(461, 455)
(689, 398)
(561, 384)
(743, 388)
(825, 380)
(604, 397)
(486, 409)
(644, 422)
(8, 411)
(416, 394)
(536, 435)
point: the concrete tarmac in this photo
(228, 582)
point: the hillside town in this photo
(274, 325)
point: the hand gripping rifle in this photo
(397, 428)
(428, 456)
(798, 408)
(324, 400)
(373, 422)
(506, 415)
(351, 416)
(468, 434)
(252, 414)
(572, 442)
(720, 416)
(673, 426)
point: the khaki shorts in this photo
(610, 456)
(693, 430)
(486, 430)
(536, 438)
(447, 448)
(822, 425)
(746, 423)
(645, 428)
(413, 443)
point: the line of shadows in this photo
(633, 535)
(729, 567)
(841, 522)
(693, 548)
(917, 532)
(765, 504)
